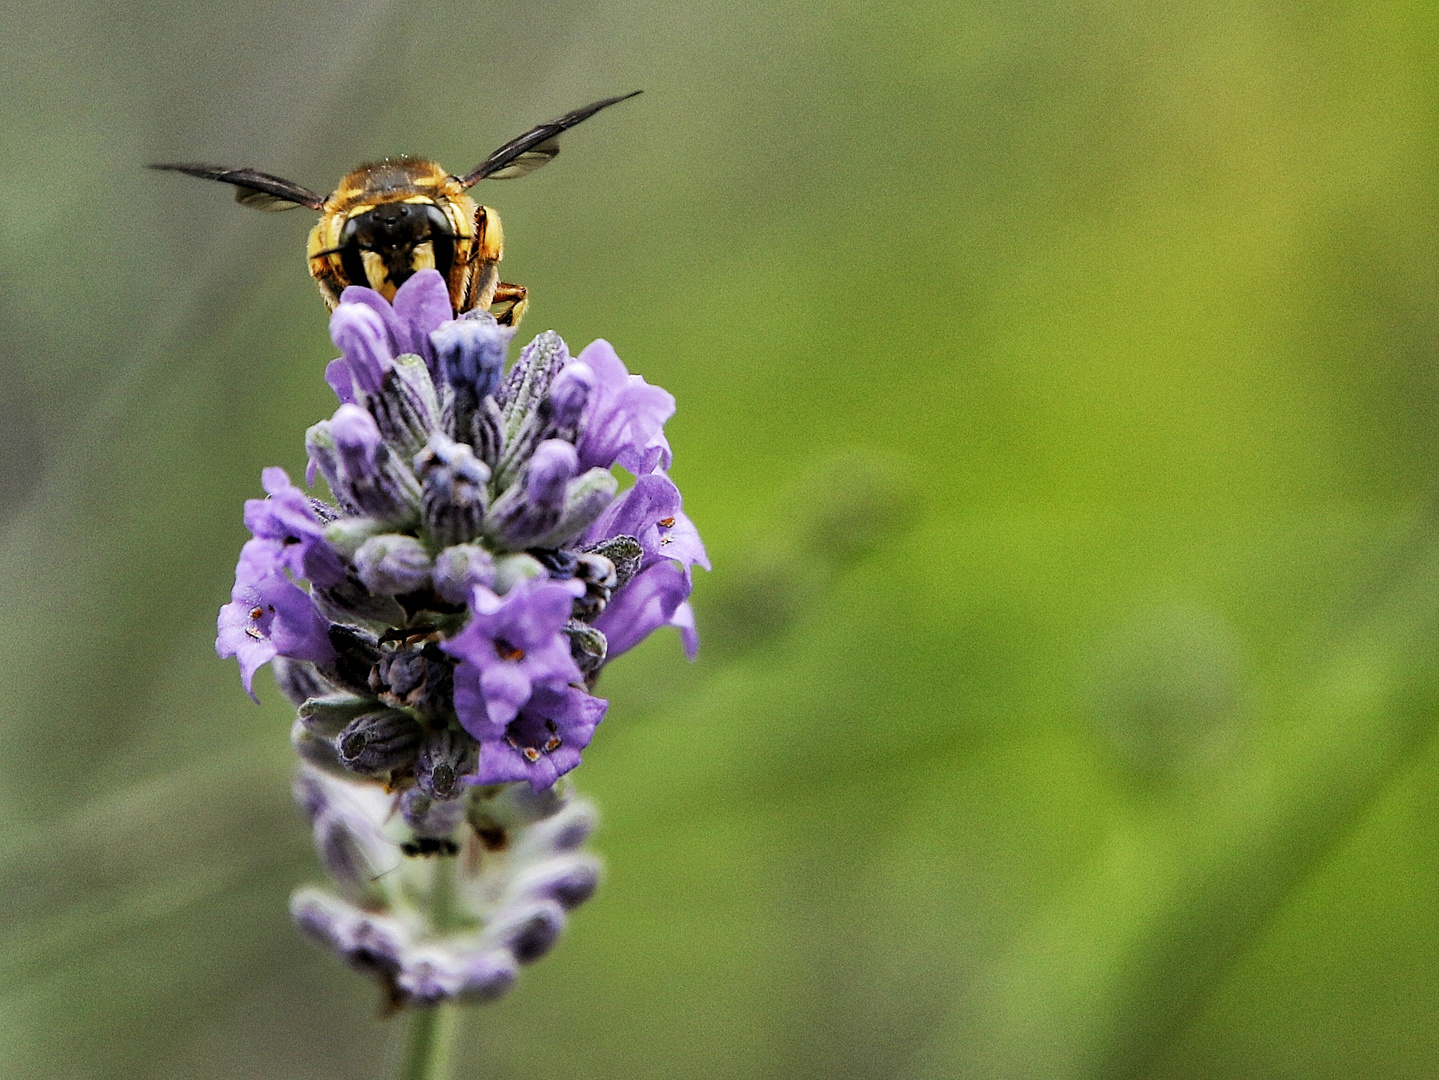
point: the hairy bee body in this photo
(389, 219)
(392, 218)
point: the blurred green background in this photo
(1058, 398)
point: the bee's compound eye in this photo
(435, 217)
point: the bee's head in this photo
(383, 246)
(388, 220)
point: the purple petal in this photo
(244, 636)
(421, 304)
(514, 644)
(470, 354)
(337, 374)
(570, 393)
(544, 741)
(363, 297)
(643, 605)
(681, 541)
(289, 518)
(268, 615)
(552, 465)
(357, 439)
(650, 512)
(470, 701)
(625, 416)
(654, 455)
(362, 336)
(299, 632)
(506, 688)
(684, 620)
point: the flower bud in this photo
(349, 600)
(553, 464)
(587, 645)
(567, 881)
(487, 976)
(586, 498)
(406, 409)
(393, 564)
(445, 758)
(485, 432)
(532, 506)
(357, 651)
(529, 380)
(298, 680)
(344, 855)
(470, 354)
(454, 491)
(417, 676)
(569, 393)
(327, 715)
(427, 979)
(565, 825)
(370, 477)
(315, 751)
(373, 945)
(528, 931)
(361, 335)
(625, 552)
(348, 533)
(510, 570)
(459, 569)
(309, 793)
(377, 743)
(319, 916)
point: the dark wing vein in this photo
(530, 142)
(252, 186)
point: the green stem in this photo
(428, 1043)
(443, 902)
(431, 1034)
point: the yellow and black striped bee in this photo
(388, 219)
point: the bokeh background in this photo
(1058, 395)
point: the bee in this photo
(388, 219)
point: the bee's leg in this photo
(517, 296)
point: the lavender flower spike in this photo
(441, 623)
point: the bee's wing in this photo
(522, 156)
(257, 190)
